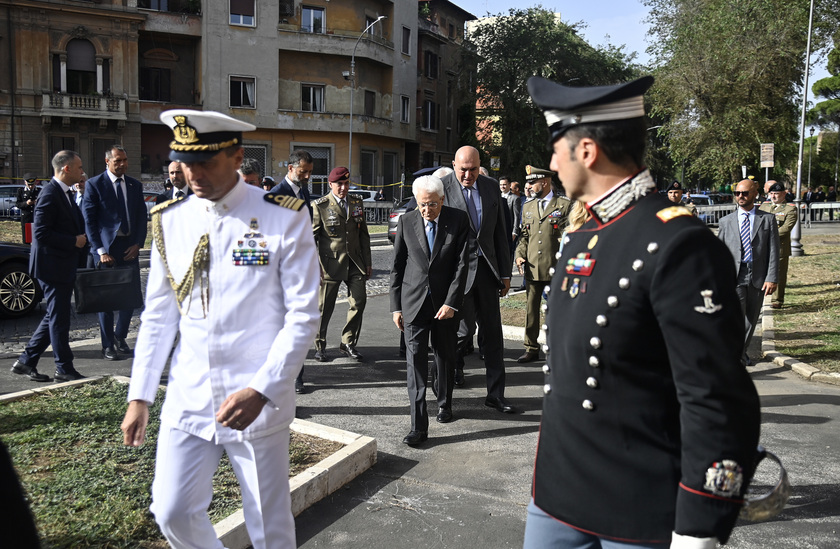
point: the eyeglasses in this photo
(431, 205)
(741, 193)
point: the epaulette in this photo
(673, 212)
(563, 197)
(322, 199)
(357, 196)
(163, 205)
(285, 201)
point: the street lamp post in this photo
(810, 153)
(352, 92)
(796, 248)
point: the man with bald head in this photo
(179, 184)
(752, 237)
(488, 268)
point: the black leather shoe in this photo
(110, 353)
(22, 369)
(459, 378)
(300, 388)
(444, 415)
(469, 349)
(350, 350)
(500, 404)
(415, 437)
(69, 375)
(122, 346)
(321, 355)
(529, 356)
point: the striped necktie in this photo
(746, 241)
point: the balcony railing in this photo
(78, 105)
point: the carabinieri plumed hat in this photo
(200, 135)
(565, 107)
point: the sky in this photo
(616, 22)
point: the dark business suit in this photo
(102, 221)
(422, 281)
(285, 189)
(489, 262)
(763, 268)
(52, 261)
(169, 194)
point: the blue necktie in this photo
(430, 236)
(124, 227)
(471, 207)
(746, 241)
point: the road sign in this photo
(494, 163)
(767, 153)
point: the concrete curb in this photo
(316, 482)
(768, 350)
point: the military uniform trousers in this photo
(779, 294)
(533, 299)
(356, 298)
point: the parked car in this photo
(701, 200)
(406, 205)
(8, 200)
(367, 196)
(19, 292)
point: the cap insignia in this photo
(184, 134)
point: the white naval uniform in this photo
(259, 324)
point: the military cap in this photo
(777, 188)
(675, 186)
(29, 176)
(532, 173)
(339, 174)
(269, 179)
(200, 135)
(565, 107)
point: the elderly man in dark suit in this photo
(488, 269)
(752, 237)
(115, 218)
(58, 237)
(427, 288)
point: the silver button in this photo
(546, 369)
(545, 348)
(594, 362)
(638, 265)
(551, 271)
(539, 251)
(624, 283)
(557, 255)
(566, 240)
(612, 301)
(547, 289)
(652, 248)
(601, 320)
(588, 405)
(547, 389)
(595, 342)
(592, 382)
(544, 307)
(544, 326)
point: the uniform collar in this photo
(621, 198)
(228, 202)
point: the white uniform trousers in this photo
(182, 489)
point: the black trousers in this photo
(54, 329)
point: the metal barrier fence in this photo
(378, 213)
(809, 214)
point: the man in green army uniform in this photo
(675, 193)
(343, 242)
(543, 220)
(785, 218)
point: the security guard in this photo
(543, 220)
(675, 194)
(649, 424)
(785, 218)
(26, 197)
(343, 242)
(234, 270)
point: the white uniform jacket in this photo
(260, 322)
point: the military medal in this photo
(251, 255)
(582, 265)
(575, 289)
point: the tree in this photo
(729, 77)
(510, 49)
(826, 114)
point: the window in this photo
(81, 67)
(405, 109)
(242, 13)
(430, 115)
(373, 30)
(370, 103)
(312, 98)
(243, 91)
(312, 20)
(389, 167)
(155, 84)
(430, 63)
(177, 6)
(406, 41)
(368, 171)
(451, 31)
(258, 153)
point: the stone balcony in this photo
(67, 106)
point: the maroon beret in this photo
(339, 174)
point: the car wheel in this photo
(19, 293)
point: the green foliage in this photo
(827, 112)
(514, 47)
(729, 76)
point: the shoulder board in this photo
(562, 197)
(163, 205)
(285, 201)
(673, 212)
(356, 196)
(323, 199)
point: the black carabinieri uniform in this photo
(650, 424)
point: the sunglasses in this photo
(741, 193)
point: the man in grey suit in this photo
(427, 288)
(753, 238)
(488, 269)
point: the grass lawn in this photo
(88, 490)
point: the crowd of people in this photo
(645, 445)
